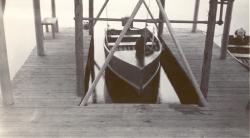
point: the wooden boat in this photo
(136, 61)
(240, 50)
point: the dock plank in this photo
(46, 101)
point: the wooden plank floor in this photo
(46, 101)
(50, 80)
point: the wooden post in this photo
(90, 63)
(79, 46)
(91, 32)
(53, 14)
(111, 53)
(226, 30)
(3, 5)
(208, 47)
(5, 81)
(196, 12)
(161, 24)
(53, 8)
(91, 15)
(92, 46)
(220, 22)
(202, 99)
(38, 28)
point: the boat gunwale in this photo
(158, 52)
(232, 44)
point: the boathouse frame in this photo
(82, 81)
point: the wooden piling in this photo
(5, 82)
(208, 47)
(226, 30)
(79, 46)
(92, 46)
(3, 5)
(196, 13)
(38, 28)
(53, 14)
(189, 72)
(53, 8)
(90, 63)
(161, 24)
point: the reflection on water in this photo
(19, 28)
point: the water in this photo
(20, 33)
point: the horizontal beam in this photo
(145, 20)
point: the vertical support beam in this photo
(161, 24)
(92, 46)
(90, 63)
(79, 46)
(196, 13)
(53, 8)
(38, 28)
(220, 22)
(91, 15)
(208, 47)
(3, 5)
(53, 14)
(5, 82)
(226, 30)
(91, 32)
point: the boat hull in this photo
(136, 77)
(120, 91)
(136, 70)
(131, 77)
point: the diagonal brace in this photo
(101, 10)
(84, 100)
(203, 101)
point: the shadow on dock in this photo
(182, 84)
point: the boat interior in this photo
(129, 41)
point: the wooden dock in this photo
(46, 100)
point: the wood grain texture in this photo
(38, 28)
(196, 13)
(46, 102)
(79, 46)
(226, 30)
(208, 50)
(5, 82)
